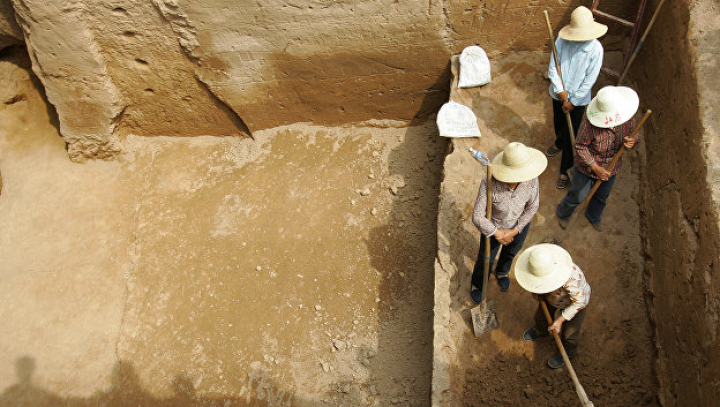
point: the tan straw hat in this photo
(612, 106)
(518, 163)
(582, 26)
(543, 268)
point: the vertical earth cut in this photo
(195, 68)
(74, 74)
(677, 75)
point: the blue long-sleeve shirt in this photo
(580, 63)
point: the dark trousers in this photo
(562, 134)
(570, 333)
(579, 189)
(507, 254)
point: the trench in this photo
(617, 354)
(319, 265)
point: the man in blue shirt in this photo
(580, 55)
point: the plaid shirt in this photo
(510, 208)
(573, 296)
(598, 145)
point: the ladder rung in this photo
(613, 18)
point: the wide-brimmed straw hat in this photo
(612, 106)
(518, 163)
(543, 268)
(582, 27)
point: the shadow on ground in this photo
(125, 389)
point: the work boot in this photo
(532, 334)
(556, 361)
(597, 226)
(552, 151)
(562, 182)
(503, 282)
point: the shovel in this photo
(578, 387)
(640, 43)
(483, 316)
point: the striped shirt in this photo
(599, 146)
(510, 208)
(573, 296)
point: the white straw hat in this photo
(582, 27)
(543, 268)
(518, 163)
(612, 106)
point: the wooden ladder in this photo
(633, 38)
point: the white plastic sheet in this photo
(474, 67)
(456, 120)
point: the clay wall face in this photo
(10, 33)
(678, 80)
(213, 67)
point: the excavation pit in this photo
(329, 263)
(272, 271)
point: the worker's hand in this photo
(568, 106)
(536, 297)
(557, 325)
(563, 96)
(629, 142)
(505, 236)
(602, 173)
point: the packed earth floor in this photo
(616, 356)
(295, 269)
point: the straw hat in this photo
(518, 163)
(582, 26)
(612, 106)
(543, 268)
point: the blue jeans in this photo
(507, 254)
(581, 185)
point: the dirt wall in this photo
(212, 67)
(677, 75)
(10, 33)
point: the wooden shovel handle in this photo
(578, 387)
(640, 43)
(486, 258)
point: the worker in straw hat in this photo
(580, 55)
(547, 270)
(516, 198)
(607, 126)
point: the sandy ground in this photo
(295, 269)
(616, 359)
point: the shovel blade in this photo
(484, 318)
